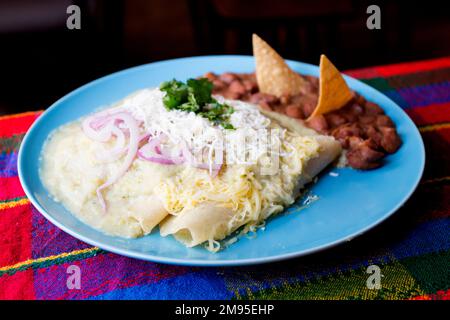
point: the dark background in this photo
(41, 60)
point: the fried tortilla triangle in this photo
(272, 73)
(333, 90)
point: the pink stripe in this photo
(430, 114)
(366, 73)
(413, 67)
(10, 188)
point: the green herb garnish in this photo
(195, 96)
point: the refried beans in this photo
(362, 127)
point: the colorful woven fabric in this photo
(412, 248)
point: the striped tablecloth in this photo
(412, 248)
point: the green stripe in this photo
(402, 279)
(12, 200)
(432, 271)
(11, 144)
(419, 78)
(396, 283)
(378, 83)
(54, 262)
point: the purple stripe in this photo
(101, 274)
(425, 95)
(48, 240)
(8, 165)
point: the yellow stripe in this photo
(49, 258)
(18, 115)
(12, 204)
(433, 127)
(435, 180)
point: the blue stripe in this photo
(420, 96)
(397, 98)
(206, 284)
(429, 237)
(8, 164)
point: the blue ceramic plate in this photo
(350, 203)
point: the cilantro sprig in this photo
(196, 96)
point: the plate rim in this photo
(200, 262)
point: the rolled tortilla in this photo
(70, 171)
(149, 211)
(330, 148)
(136, 216)
(209, 221)
(292, 124)
(195, 226)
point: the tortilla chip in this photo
(333, 90)
(272, 73)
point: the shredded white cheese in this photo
(200, 135)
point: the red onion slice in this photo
(101, 134)
(131, 124)
(119, 149)
(153, 152)
(214, 168)
(115, 152)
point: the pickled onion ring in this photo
(133, 129)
